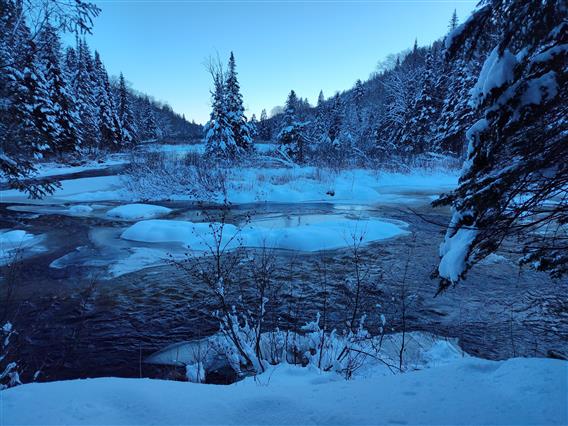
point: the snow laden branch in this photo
(514, 181)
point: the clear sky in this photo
(161, 45)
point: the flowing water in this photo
(74, 319)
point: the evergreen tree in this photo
(417, 133)
(358, 94)
(85, 91)
(516, 159)
(62, 133)
(219, 137)
(321, 98)
(129, 134)
(235, 110)
(453, 21)
(321, 125)
(292, 137)
(150, 127)
(109, 123)
(253, 125)
(456, 114)
(264, 129)
(24, 103)
(337, 114)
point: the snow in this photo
(138, 211)
(277, 185)
(17, 243)
(100, 188)
(80, 209)
(321, 233)
(58, 169)
(453, 252)
(550, 53)
(496, 71)
(518, 391)
(544, 87)
(308, 184)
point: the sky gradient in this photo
(161, 45)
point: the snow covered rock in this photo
(138, 211)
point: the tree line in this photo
(58, 102)
(415, 104)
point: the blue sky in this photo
(161, 45)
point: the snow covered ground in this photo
(58, 169)
(281, 185)
(519, 391)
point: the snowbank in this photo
(138, 211)
(469, 391)
(309, 184)
(334, 232)
(100, 188)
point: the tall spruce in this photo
(219, 138)
(292, 138)
(63, 134)
(109, 123)
(235, 110)
(127, 126)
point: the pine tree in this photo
(253, 126)
(23, 103)
(453, 21)
(321, 125)
(456, 114)
(358, 95)
(149, 123)
(264, 129)
(337, 115)
(219, 139)
(418, 131)
(516, 159)
(62, 134)
(129, 133)
(292, 138)
(109, 123)
(321, 98)
(235, 110)
(85, 91)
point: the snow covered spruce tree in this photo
(292, 138)
(109, 123)
(264, 127)
(418, 130)
(63, 135)
(25, 113)
(220, 142)
(514, 181)
(149, 127)
(85, 90)
(320, 127)
(253, 125)
(235, 111)
(129, 134)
